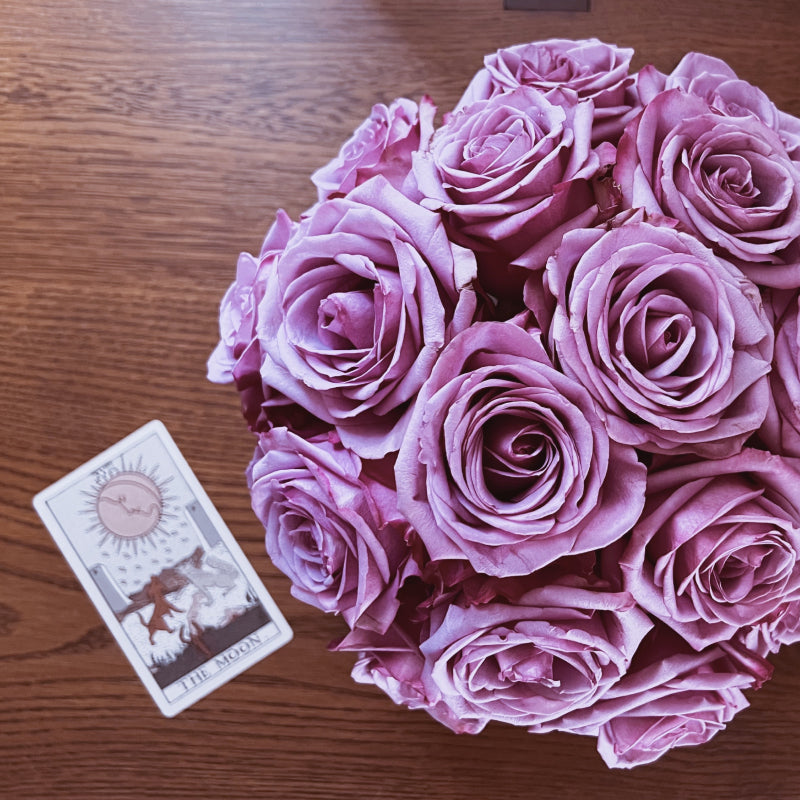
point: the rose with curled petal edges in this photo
(781, 627)
(237, 357)
(594, 70)
(239, 306)
(336, 535)
(716, 549)
(671, 697)
(781, 429)
(562, 647)
(712, 79)
(381, 145)
(728, 180)
(506, 463)
(507, 172)
(670, 341)
(392, 661)
(358, 307)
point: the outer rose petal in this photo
(781, 428)
(238, 309)
(394, 664)
(381, 145)
(781, 627)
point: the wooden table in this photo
(142, 146)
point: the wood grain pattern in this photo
(142, 146)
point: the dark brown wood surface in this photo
(143, 144)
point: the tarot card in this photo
(162, 568)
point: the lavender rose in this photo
(560, 648)
(717, 546)
(381, 145)
(670, 340)
(781, 428)
(714, 81)
(690, 718)
(336, 535)
(238, 309)
(357, 308)
(594, 70)
(728, 180)
(671, 697)
(506, 463)
(392, 661)
(237, 357)
(507, 171)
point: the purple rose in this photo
(336, 535)
(781, 428)
(594, 70)
(717, 546)
(560, 648)
(381, 145)
(393, 662)
(237, 357)
(508, 171)
(671, 697)
(506, 463)
(728, 180)
(238, 309)
(358, 307)
(237, 320)
(670, 340)
(714, 81)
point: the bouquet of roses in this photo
(526, 394)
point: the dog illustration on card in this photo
(209, 573)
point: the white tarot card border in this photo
(221, 667)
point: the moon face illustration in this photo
(129, 505)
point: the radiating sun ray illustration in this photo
(129, 505)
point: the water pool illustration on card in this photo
(161, 566)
